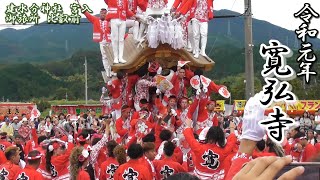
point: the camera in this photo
(108, 116)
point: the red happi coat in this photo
(108, 168)
(4, 144)
(3, 158)
(61, 163)
(176, 81)
(83, 175)
(98, 31)
(130, 82)
(238, 161)
(204, 117)
(9, 170)
(122, 128)
(146, 127)
(166, 167)
(42, 168)
(134, 4)
(178, 3)
(29, 173)
(163, 110)
(206, 168)
(308, 153)
(118, 10)
(213, 87)
(134, 169)
(202, 10)
(31, 144)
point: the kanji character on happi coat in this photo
(123, 124)
(42, 148)
(167, 166)
(117, 14)
(95, 148)
(109, 167)
(145, 82)
(30, 171)
(186, 22)
(57, 158)
(133, 169)
(11, 167)
(201, 12)
(209, 156)
(4, 142)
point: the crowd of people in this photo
(155, 128)
(167, 135)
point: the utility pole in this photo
(248, 49)
(86, 79)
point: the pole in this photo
(86, 79)
(248, 50)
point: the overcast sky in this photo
(278, 12)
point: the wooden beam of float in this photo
(164, 54)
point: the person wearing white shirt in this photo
(317, 121)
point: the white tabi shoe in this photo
(203, 54)
(189, 49)
(115, 61)
(122, 61)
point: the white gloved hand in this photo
(158, 91)
(57, 140)
(109, 83)
(22, 164)
(70, 138)
(103, 90)
(198, 92)
(159, 71)
(173, 112)
(253, 113)
(185, 157)
(113, 74)
(205, 90)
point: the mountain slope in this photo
(43, 43)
